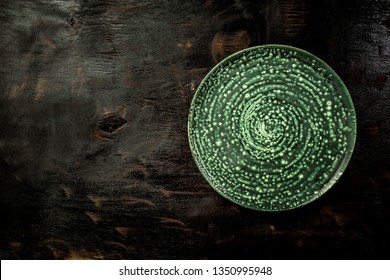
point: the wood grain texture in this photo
(94, 156)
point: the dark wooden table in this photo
(94, 155)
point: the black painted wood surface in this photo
(94, 156)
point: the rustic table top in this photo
(94, 154)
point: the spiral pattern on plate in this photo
(272, 127)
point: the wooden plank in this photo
(94, 156)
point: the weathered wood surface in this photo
(94, 159)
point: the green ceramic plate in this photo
(272, 127)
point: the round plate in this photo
(272, 127)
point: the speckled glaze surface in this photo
(272, 127)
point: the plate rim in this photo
(338, 172)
